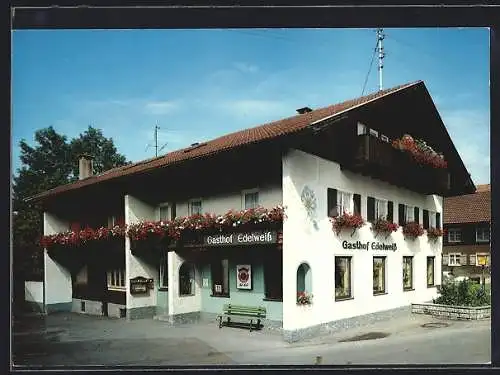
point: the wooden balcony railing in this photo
(378, 159)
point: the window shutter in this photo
(472, 259)
(463, 260)
(401, 214)
(370, 208)
(331, 202)
(173, 213)
(438, 220)
(390, 211)
(426, 219)
(357, 204)
(416, 213)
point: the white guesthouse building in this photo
(317, 164)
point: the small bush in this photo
(464, 293)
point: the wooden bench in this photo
(243, 312)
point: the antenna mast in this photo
(381, 55)
(156, 140)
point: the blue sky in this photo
(200, 84)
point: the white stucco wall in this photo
(33, 291)
(57, 279)
(318, 246)
(182, 304)
(269, 196)
(137, 211)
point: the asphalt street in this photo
(71, 339)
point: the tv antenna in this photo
(381, 55)
(157, 150)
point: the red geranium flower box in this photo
(347, 221)
(384, 226)
(413, 230)
(434, 233)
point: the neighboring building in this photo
(466, 247)
(316, 164)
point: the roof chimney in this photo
(304, 110)
(85, 166)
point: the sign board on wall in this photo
(246, 238)
(244, 276)
(374, 245)
(141, 285)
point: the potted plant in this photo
(434, 233)
(384, 226)
(347, 221)
(304, 298)
(413, 230)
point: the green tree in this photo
(93, 142)
(51, 162)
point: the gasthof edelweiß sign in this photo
(369, 245)
(245, 238)
(244, 276)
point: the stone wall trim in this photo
(452, 312)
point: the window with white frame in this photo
(381, 209)
(432, 219)
(454, 235)
(163, 279)
(374, 133)
(195, 207)
(409, 213)
(454, 259)
(361, 129)
(345, 202)
(116, 279)
(250, 199)
(163, 212)
(483, 234)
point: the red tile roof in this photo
(230, 141)
(470, 208)
(484, 187)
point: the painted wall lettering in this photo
(249, 238)
(369, 245)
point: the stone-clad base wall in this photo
(343, 324)
(452, 312)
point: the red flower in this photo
(420, 152)
(384, 226)
(304, 298)
(347, 221)
(434, 233)
(413, 229)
